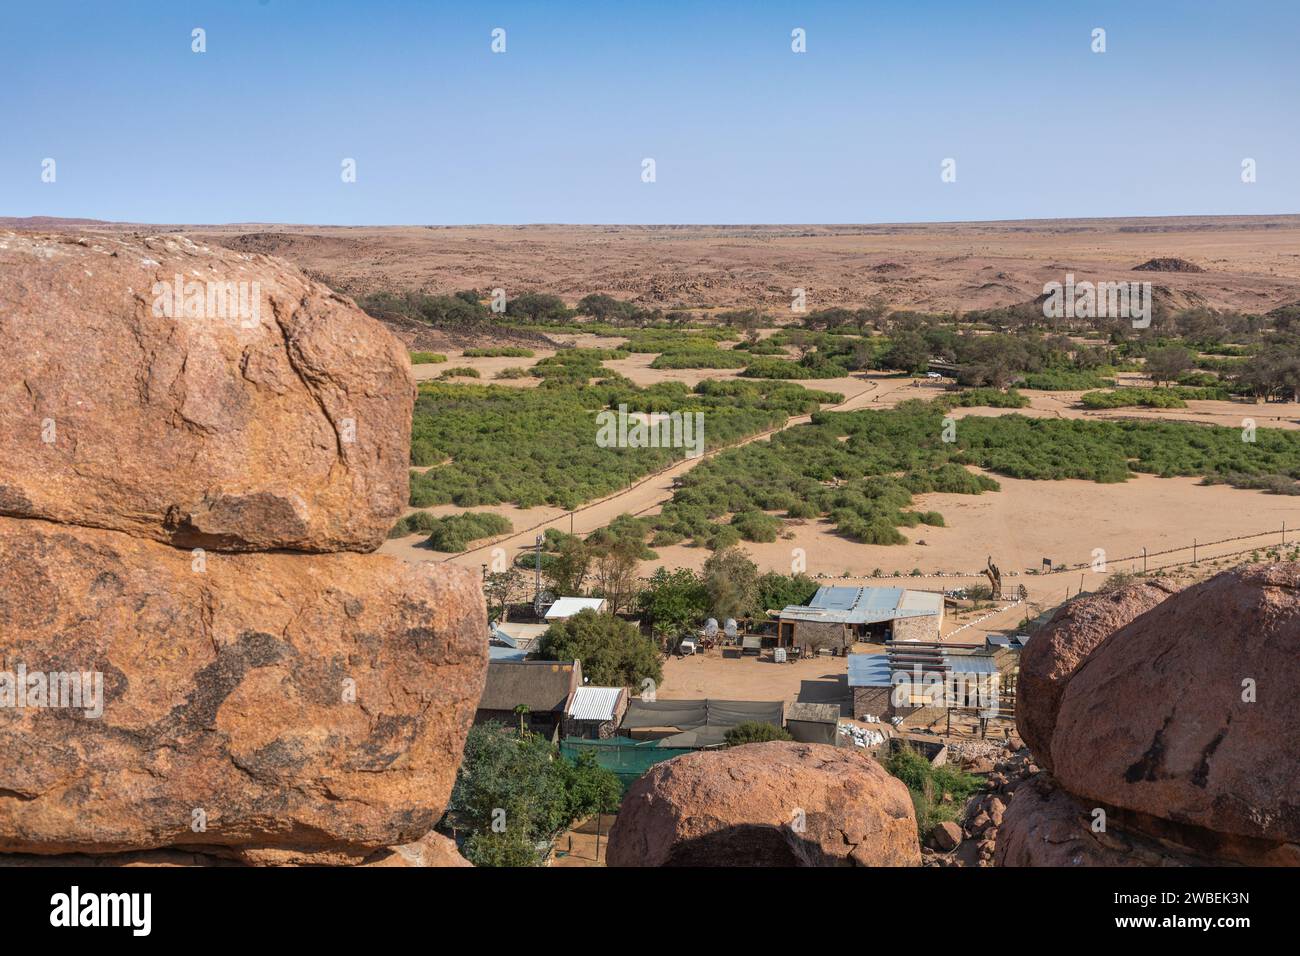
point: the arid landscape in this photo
(1249, 263)
(917, 420)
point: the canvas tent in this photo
(697, 723)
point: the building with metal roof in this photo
(595, 703)
(594, 712)
(569, 606)
(839, 616)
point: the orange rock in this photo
(769, 804)
(282, 420)
(1055, 652)
(288, 703)
(1187, 715)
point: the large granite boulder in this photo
(291, 707)
(1184, 720)
(197, 396)
(769, 804)
(1056, 650)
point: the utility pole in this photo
(537, 576)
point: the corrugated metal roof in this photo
(569, 606)
(868, 670)
(595, 703)
(496, 653)
(970, 664)
(864, 605)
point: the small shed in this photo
(813, 723)
(594, 712)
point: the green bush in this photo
(776, 368)
(986, 398)
(427, 358)
(460, 371)
(1062, 380)
(699, 358)
(754, 732)
(475, 435)
(758, 526)
(500, 351)
(1132, 397)
(928, 785)
(455, 533)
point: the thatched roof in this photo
(541, 685)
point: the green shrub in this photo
(1061, 380)
(455, 533)
(427, 358)
(500, 351)
(754, 732)
(756, 526)
(1131, 397)
(460, 371)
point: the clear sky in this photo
(741, 129)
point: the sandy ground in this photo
(577, 846)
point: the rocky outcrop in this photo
(181, 683)
(1045, 826)
(1056, 651)
(769, 804)
(1178, 732)
(1188, 714)
(253, 410)
(290, 701)
(1167, 264)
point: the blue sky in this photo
(742, 130)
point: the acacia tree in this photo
(673, 601)
(1166, 364)
(731, 582)
(613, 652)
(501, 588)
(567, 569)
(614, 571)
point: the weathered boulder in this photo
(768, 804)
(1185, 719)
(1057, 649)
(1045, 826)
(433, 849)
(298, 706)
(275, 417)
(945, 836)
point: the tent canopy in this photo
(702, 722)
